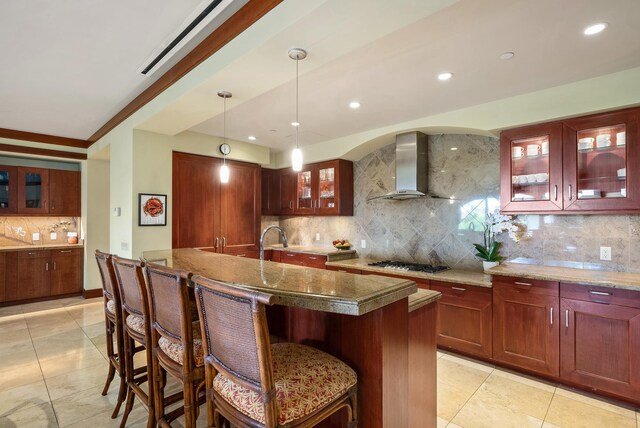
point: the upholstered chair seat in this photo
(174, 350)
(111, 307)
(305, 379)
(136, 323)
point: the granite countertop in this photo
(422, 298)
(310, 288)
(321, 251)
(457, 276)
(38, 247)
(628, 281)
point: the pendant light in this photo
(224, 148)
(296, 155)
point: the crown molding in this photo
(43, 138)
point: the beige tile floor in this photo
(53, 368)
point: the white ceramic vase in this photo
(488, 265)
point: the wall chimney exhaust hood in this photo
(412, 179)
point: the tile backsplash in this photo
(466, 168)
(20, 230)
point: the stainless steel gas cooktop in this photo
(413, 267)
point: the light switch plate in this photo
(363, 243)
(35, 236)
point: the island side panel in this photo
(422, 367)
(376, 346)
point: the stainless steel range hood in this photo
(412, 177)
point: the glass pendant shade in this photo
(224, 173)
(296, 159)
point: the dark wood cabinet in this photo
(66, 269)
(587, 165)
(3, 269)
(36, 274)
(29, 276)
(464, 321)
(300, 259)
(526, 324)
(64, 192)
(324, 188)
(600, 338)
(33, 190)
(270, 192)
(8, 189)
(224, 217)
(39, 191)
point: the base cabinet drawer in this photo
(344, 269)
(464, 321)
(301, 259)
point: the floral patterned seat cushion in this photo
(174, 349)
(136, 323)
(111, 306)
(305, 378)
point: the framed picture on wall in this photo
(152, 210)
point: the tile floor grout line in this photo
(470, 397)
(544, 419)
(44, 380)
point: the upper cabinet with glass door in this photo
(588, 165)
(531, 163)
(602, 165)
(8, 189)
(33, 190)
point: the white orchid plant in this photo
(495, 224)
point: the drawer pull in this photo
(458, 288)
(289, 255)
(313, 258)
(526, 284)
(551, 315)
(32, 253)
(599, 293)
(65, 251)
(566, 318)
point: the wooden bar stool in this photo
(176, 343)
(136, 328)
(113, 327)
(252, 383)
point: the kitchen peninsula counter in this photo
(363, 320)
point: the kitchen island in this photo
(363, 320)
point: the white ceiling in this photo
(73, 66)
(68, 66)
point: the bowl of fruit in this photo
(342, 244)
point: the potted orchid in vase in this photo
(489, 250)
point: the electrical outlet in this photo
(124, 245)
(605, 253)
(317, 236)
(53, 236)
(35, 236)
(363, 243)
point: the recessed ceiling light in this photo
(454, 148)
(445, 76)
(252, 137)
(354, 105)
(295, 123)
(595, 28)
(507, 55)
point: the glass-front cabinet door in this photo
(533, 157)
(304, 193)
(8, 189)
(33, 190)
(326, 189)
(601, 163)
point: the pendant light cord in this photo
(224, 128)
(297, 102)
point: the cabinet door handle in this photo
(555, 192)
(566, 318)
(526, 284)
(215, 244)
(46, 266)
(224, 242)
(570, 192)
(44, 205)
(458, 288)
(599, 293)
(551, 315)
(290, 204)
(54, 266)
(53, 205)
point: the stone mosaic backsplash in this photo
(20, 230)
(465, 167)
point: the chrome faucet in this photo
(285, 243)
